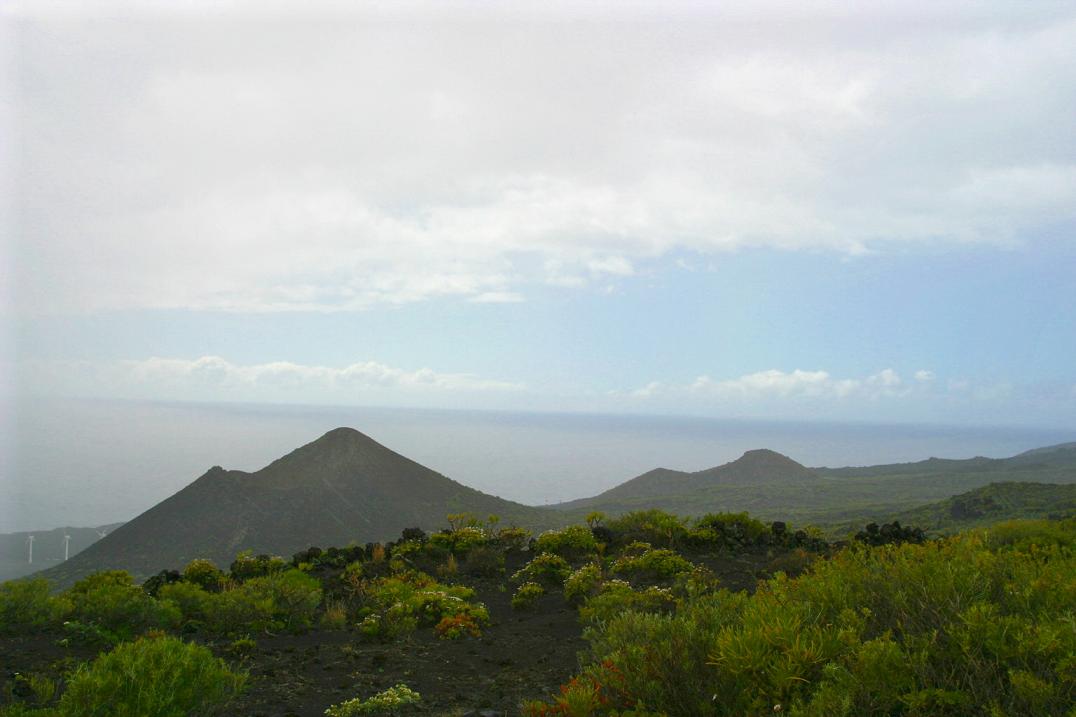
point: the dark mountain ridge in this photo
(342, 488)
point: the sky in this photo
(804, 210)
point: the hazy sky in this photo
(784, 210)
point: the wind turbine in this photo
(67, 545)
(100, 533)
(30, 542)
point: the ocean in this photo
(91, 462)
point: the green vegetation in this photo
(890, 623)
(973, 625)
(392, 701)
(151, 676)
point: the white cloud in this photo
(924, 375)
(800, 384)
(776, 385)
(216, 378)
(348, 156)
(497, 297)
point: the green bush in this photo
(194, 603)
(617, 596)
(729, 531)
(945, 628)
(28, 606)
(163, 677)
(396, 605)
(651, 526)
(238, 611)
(294, 596)
(1023, 534)
(460, 541)
(646, 564)
(247, 565)
(572, 543)
(204, 574)
(527, 596)
(511, 538)
(111, 600)
(583, 583)
(546, 568)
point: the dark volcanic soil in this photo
(521, 655)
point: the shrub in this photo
(151, 676)
(293, 595)
(1022, 534)
(546, 568)
(393, 606)
(204, 574)
(237, 611)
(111, 600)
(571, 543)
(583, 583)
(193, 602)
(527, 596)
(456, 626)
(650, 565)
(942, 628)
(153, 585)
(391, 701)
(730, 531)
(652, 526)
(617, 596)
(511, 538)
(28, 606)
(335, 616)
(247, 566)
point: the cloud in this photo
(216, 378)
(345, 156)
(800, 384)
(497, 297)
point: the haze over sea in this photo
(92, 462)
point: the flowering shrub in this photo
(618, 596)
(393, 606)
(391, 701)
(527, 595)
(457, 626)
(583, 583)
(546, 568)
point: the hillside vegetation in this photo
(718, 615)
(775, 487)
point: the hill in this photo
(342, 488)
(48, 548)
(994, 503)
(774, 487)
(754, 469)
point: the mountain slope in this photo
(773, 487)
(342, 488)
(754, 469)
(994, 503)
